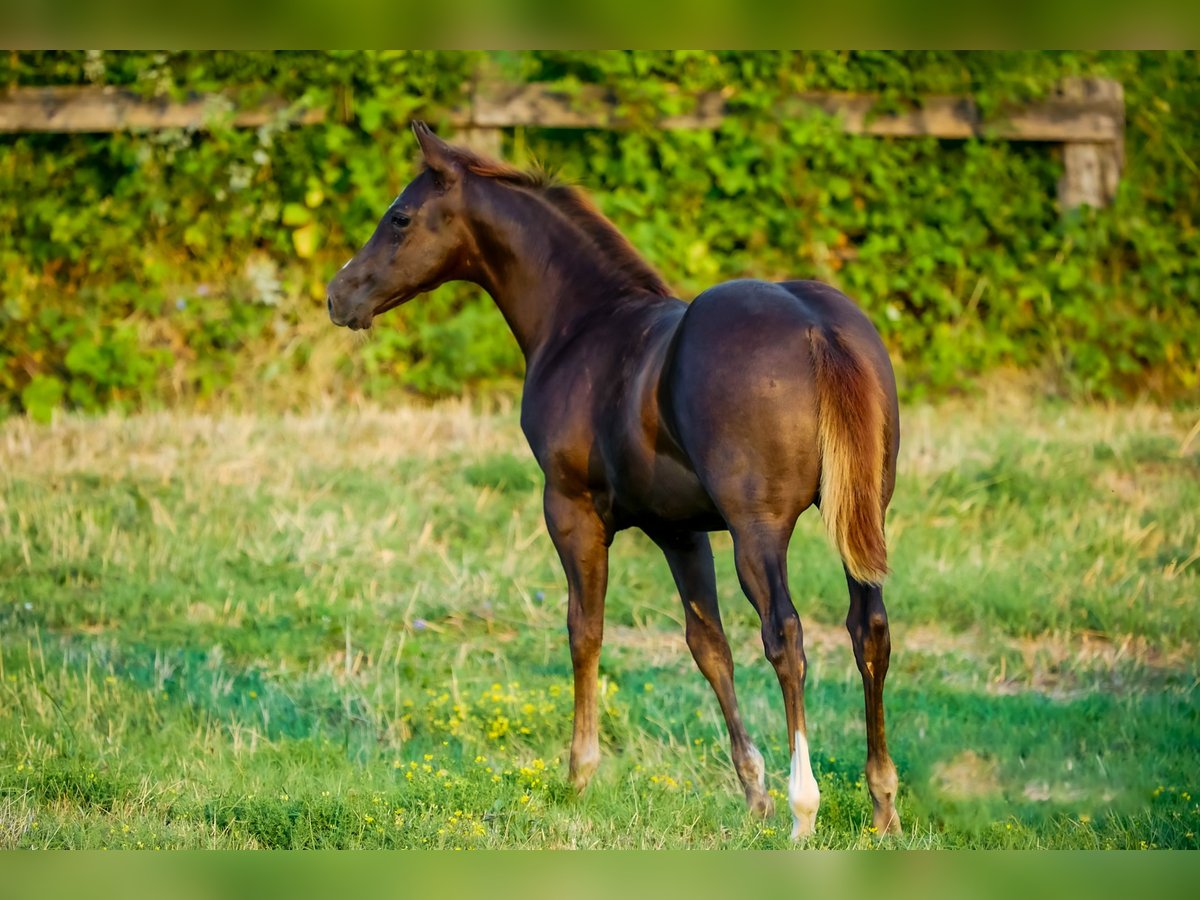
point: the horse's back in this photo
(749, 305)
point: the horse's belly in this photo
(660, 489)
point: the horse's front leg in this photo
(582, 542)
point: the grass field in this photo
(347, 629)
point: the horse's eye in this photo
(400, 220)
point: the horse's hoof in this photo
(761, 806)
(582, 771)
(887, 822)
(803, 825)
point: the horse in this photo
(736, 411)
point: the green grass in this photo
(347, 629)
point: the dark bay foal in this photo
(737, 411)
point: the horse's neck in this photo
(536, 273)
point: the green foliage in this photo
(141, 268)
(41, 395)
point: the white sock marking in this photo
(803, 794)
(760, 771)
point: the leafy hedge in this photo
(142, 269)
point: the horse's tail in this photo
(852, 422)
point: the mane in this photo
(629, 269)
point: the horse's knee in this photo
(709, 648)
(584, 638)
(699, 633)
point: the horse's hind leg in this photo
(868, 626)
(689, 555)
(760, 552)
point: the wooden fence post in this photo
(482, 139)
(1092, 170)
(485, 141)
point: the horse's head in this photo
(420, 242)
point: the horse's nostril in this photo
(329, 304)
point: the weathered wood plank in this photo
(1092, 118)
(1079, 116)
(590, 106)
(104, 109)
(950, 118)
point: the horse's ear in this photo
(439, 156)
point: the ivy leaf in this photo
(370, 115)
(296, 214)
(41, 397)
(86, 358)
(305, 240)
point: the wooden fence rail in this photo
(1086, 116)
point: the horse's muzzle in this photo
(355, 321)
(348, 315)
(336, 317)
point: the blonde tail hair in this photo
(852, 432)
